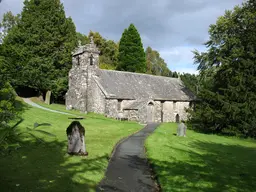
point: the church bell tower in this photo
(85, 64)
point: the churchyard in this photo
(46, 166)
(197, 162)
(200, 162)
(43, 54)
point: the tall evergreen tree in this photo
(131, 53)
(39, 47)
(228, 99)
(190, 81)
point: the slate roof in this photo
(127, 85)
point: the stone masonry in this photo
(140, 97)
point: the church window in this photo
(78, 60)
(91, 60)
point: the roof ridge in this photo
(157, 76)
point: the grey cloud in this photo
(163, 24)
(166, 23)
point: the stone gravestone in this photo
(76, 141)
(48, 97)
(181, 130)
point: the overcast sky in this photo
(172, 27)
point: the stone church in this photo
(134, 96)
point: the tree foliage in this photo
(82, 38)
(9, 20)
(190, 81)
(131, 53)
(10, 108)
(38, 48)
(108, 51)
(155, 64)
(228, 74)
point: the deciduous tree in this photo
(155, 64)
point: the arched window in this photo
(150, 104)
(78, 60)
(91, 59)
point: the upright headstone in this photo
(41, 98)
(48, 97)
(181, 130)
(76, 141)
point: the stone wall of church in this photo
(111, 108)
(181, 109)
(96, 98)
(142, 112)
(171, 109)
(168, 112)
(131, 114)
(126, 103)
(158, 109)
(75, 96)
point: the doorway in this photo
(150, 112)
(177, 118)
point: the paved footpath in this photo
(128, 170)
(28, 101)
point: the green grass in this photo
(57, 107)
(201, 162)
(47, 167)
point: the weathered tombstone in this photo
(48, 97)
(181, 130)
(41, 98)
(76, 141)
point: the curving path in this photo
(128, 170)
(28, 101)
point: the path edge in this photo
(121, 141)
(151, 165)
(153, 173)
(114, 150)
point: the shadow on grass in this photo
(217, 167)
(20, 106)
(47, 167)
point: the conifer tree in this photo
(131, 53)
(39, 47)
(227, 96)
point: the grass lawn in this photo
(201, 162)
(57, 107)
(47, 167)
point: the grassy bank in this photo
(47, 167)
(201, 162)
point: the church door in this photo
(150, 112)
